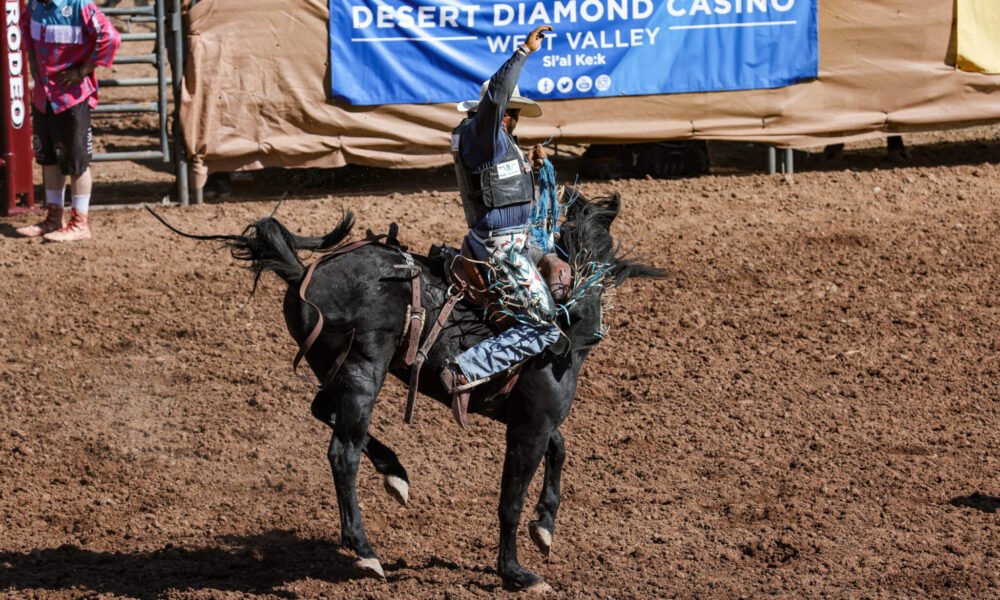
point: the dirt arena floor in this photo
(805, 407)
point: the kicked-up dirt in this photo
(807, 406)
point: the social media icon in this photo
(545, 85)
(603, 83)
(584, 83)
(564, 84)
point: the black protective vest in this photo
(509, 181)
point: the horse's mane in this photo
(599, 266)
(586, 237)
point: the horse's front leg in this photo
(542, 529)
(526, 443)
(354, 389)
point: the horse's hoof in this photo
(542, 538)
(370, 567)
(397, 488)
(538, 588)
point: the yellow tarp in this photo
(979, 35)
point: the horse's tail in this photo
(267, 245)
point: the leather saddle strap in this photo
(416, 316)
(432, 335)
(318, 328)
(306, 345)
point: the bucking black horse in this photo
(364, 297)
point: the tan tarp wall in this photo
(256, 83)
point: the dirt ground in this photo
(805, 407)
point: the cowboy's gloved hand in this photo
(537, 156)
(534, 41)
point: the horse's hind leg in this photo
(541, 530)
(354, 391)
(385, 461)
(394, 478)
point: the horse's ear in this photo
(614, 205)
(609, 207)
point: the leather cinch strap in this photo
(442, 318)
(416, 315)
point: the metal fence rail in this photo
(130, 155)
(163, 79)
(133, 11)
(150, 59)
(138, 37)
(138, 81)
(131, 107)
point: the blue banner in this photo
(428, 51)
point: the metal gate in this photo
(165, 79)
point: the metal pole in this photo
(177, 71)
(161, 76)
(772, 160)
(789, 162)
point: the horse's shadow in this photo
(254, 564)
(980, 502)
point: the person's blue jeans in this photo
(501, 352)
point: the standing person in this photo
(65, 40)
(496, 182)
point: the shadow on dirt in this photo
(986, 504)
(133, 193)
(8, 230)
(743, 157)
(255, 564)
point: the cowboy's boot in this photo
(76, 230)
(53, 221)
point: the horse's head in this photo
(599, 266)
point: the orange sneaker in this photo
(53, 221)
(76, 230)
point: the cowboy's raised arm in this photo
(493, 105)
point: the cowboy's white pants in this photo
(505, 251)
(529, 299)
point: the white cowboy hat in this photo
(528, 107)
